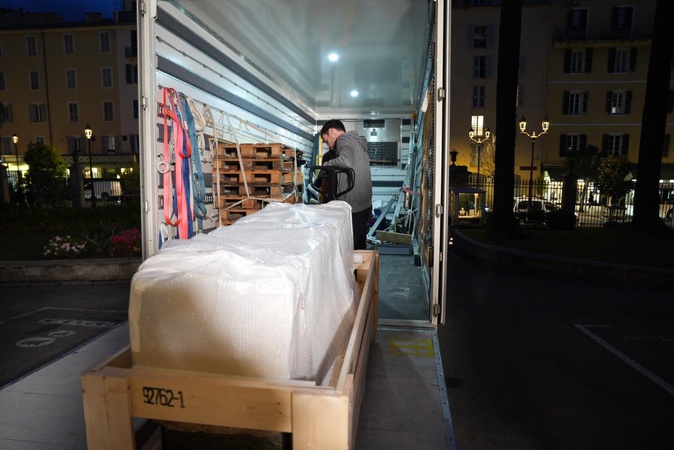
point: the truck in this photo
(219, 78)
(253, 79)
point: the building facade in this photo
(583, 65)
(57, 78)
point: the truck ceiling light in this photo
(354, 93)
(333, 57)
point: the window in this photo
(134, 112)
(34, 80)
(478, 96)
(383, 153)
(622, 60)
(104, 41)
(71, 79)
(7, 145)
(132, 74)
(108, 111)
(480, 36)
(110, 144)
(615, 144)
(479, 67)
(570, 143)
(73, 112)
(75, 144)
(3, 86)
(31, 46)
(618, 102)
(68, 44)
(37, 112)
(578, 60)
(106, 77)
(621, 21)
(39, 139)
(575, 102)
(576, 23)
(6, 115)
(477, 124)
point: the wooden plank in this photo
(321, 421)
(107, 412)
(397, 238)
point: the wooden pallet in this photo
(233, 164)
(262, 190)
(254, 150)
(320, 417)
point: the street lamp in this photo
(533, 136)
(479, 140)
(88, 133)
(15, 139)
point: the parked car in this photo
(536, 211)
(105, 189)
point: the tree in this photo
(612, 178)
(45, 177)
(584, 163)
(654, 119)
(510, 30)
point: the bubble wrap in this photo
(271, 296)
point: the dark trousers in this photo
(359, 223)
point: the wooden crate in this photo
(319, 417)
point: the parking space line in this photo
(641, 369)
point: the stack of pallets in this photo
(263, 173)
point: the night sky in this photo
(70, 10)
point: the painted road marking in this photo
(639, 368)
(411, 347)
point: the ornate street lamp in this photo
(479, 139)
(533, 136)
(88, 133)
(15, 139)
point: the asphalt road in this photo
(540, 363)
(41, 322)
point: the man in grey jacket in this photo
(351, 152)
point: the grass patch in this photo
(619, 245)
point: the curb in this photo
(70, 270)
(560, 266)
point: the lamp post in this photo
(15, 139)
(88, 133)
(533, 136)
(479, 139)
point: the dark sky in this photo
(70, 10)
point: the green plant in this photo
(65, 247)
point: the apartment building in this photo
(58, 77)
(583, 65)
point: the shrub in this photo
(561, 219)
(65, 247)
(127, 243)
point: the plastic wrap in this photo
(271, 296)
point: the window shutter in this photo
(567, 60)
(562, 145)
(586, 99)
(588, 60)
(624, 150)
(633, 59)
(470, 34)
(490, 36)
(628, 102)
(611, 61)
(604, 143)
(583, 142)
(609, 101)
(565, 103)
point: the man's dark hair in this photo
(332, 123)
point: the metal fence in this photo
(592, 208)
